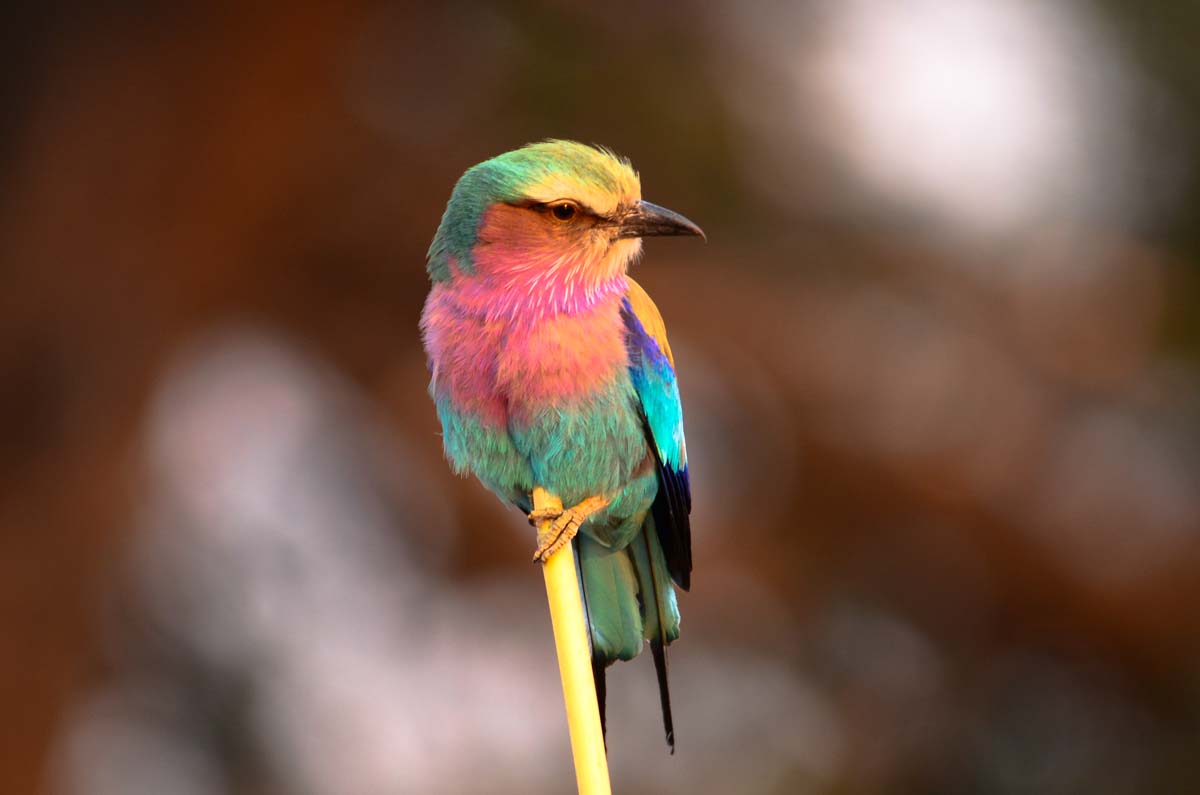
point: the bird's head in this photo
(551, 214)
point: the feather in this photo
(610, 587)
(659, 650)
(599, 669)
(652, 371)
(660, 614)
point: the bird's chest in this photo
(563, 362)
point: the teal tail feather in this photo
(628, 600)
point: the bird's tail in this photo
(629, 599)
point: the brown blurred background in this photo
(940, 364)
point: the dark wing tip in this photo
(671, 508)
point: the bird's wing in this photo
(652, 369)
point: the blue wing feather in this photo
(653, 376)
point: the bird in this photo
(550, 369)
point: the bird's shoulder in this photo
(644, 309)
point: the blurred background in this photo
(940, 364)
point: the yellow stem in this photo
(574, 662)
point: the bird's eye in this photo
(563, 211)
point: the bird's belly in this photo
(582, 448)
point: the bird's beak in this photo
(649, 220)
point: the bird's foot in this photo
(563, 524)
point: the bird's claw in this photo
(540, 515)
(565, 524)
(560, 533)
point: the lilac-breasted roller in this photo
(551, 369)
